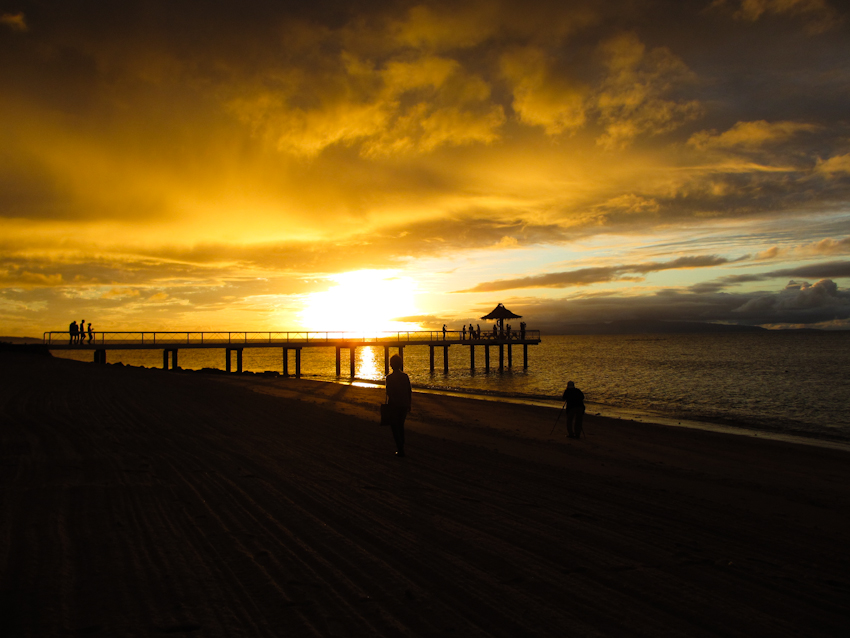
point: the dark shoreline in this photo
(792, 431)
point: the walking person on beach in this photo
(399, 398)
(574, 399)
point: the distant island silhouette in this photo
(659, 327)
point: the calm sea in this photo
(786, 383)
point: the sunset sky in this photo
(281, 165)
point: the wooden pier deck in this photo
(235, 342)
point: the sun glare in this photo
(362, 301)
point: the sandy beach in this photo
(142, 502)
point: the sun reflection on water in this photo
(367, 366)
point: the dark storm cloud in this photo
(828, 270)
(796, 305)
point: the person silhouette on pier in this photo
(463, 333)
(444, 332)
(399, 398)
(82, 337)
(574, 403)
(91, 334)
(73, 331)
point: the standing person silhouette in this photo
(574, 399)
(444, 332)
(399, 398)
(91, 334)
(82, 331)
(73, 331)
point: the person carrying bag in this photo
(399, 398)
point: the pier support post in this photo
(501, 357)
(471, 357)
(238, 360)
(510, 357)
(525, 355)
(286, 362)
(401, 355)
(227, 359)
(386, 360)
(446, 359)
(100, 356)
(297, 363)
(487, 358)
(351, 360)
(431, 357)
(164, 359)
(338, 365)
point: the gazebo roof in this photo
(500, 312)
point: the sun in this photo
(362, 301)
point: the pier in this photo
(233, 343)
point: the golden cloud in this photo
(746, 135)
(632, 100)
(31, 280)
(462, 27)
(835, 164)
(542, 97)
(120, 293)
(631, 203)
(406, 106)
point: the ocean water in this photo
(787, 383)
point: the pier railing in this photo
(260, 339)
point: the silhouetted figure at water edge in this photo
(74, 331)
(574, 399)
(399, 398)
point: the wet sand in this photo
(142, 502)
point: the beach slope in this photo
(143, 502)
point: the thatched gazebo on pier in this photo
(499, 314)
